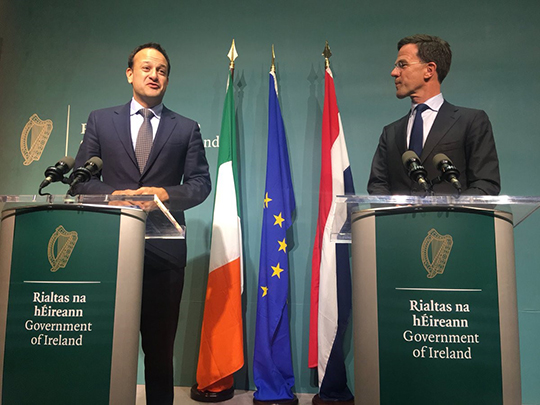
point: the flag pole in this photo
(232, 55)
(331, 276)
(273, 373)
(273, 65)
(326, 53)
(221, 348)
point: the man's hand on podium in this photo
(160, 192)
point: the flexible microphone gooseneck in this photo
(415, 170)
(85, 172)
(449, 172)
(57, 172)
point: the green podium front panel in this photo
(433, 293)
(67, 293)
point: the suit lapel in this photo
(401, 134)
(447, 116)
(167, 124)
(123, 130)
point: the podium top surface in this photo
(519, 207)
(160, 223)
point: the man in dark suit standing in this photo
(148, 149)
(433, 126)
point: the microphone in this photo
(56, 173)
(415, 170)
(449, 172)
(84, 173)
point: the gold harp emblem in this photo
(60, 247)
(435, 252)
(39, 132)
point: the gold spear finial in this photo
(232, 56)
(273, 67)
(326, 53)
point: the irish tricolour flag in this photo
(221, 351)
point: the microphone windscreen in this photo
(96, 162)
(408, 155)
(68, 161)
(440, 158)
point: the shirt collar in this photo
(135, 107)
(434, 103)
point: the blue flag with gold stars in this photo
(272, 364)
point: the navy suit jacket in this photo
(463, 134)
(177, 162)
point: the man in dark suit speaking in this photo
(433, 126)
(148, 149)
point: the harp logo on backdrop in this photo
(435, 251)
(60, 247)
(38, 131)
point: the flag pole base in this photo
(293, 401)
(209, 396)
(318, 401)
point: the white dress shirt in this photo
(136, 120)
(428, 116)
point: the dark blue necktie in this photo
(417, 132)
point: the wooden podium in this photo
(70, 297)
(434, 298)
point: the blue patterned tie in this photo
(417, 132)
(145, 138)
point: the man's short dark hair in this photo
(431, 49)
(152, 45)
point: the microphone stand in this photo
(439, 180)
(65, 180)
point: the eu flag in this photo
(272, 364)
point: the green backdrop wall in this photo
(59, 53)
